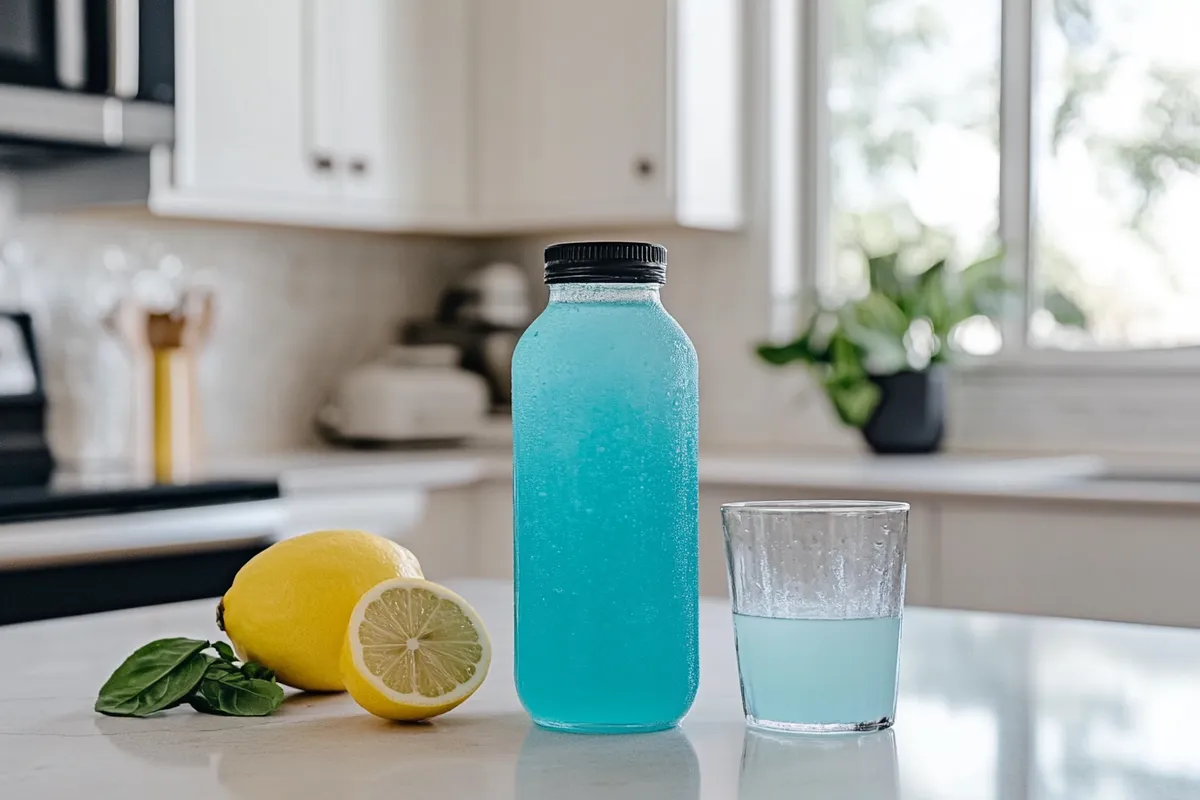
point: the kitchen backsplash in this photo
(294, 309)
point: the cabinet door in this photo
(403, 139)
(573, 109)
(326, 31)
(1127, 564)
(242, 129)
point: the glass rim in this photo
(817, 506)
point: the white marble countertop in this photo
(330, 469)
(990, 707)
(1054, 478)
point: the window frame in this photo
(810, 180)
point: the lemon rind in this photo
(416, 699)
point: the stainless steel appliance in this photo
(122, 48)
(102, 541)
(25, 458)
(81, 76)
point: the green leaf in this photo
(199, 703)
(844, 358)
(1064, 310)
(217, 667)
(883, 353)
(854, 400)
(232, 693)
(225, 652)
(810, 347)
(879, 312)
(983, 274)
(876, 326)
(157, 676)
(779, 355)
(934, 275)
(252, 670)
(885, 278)
(941, 312)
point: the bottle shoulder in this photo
(611, 327)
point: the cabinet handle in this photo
(643, 167)
(358, 166)
(322, 162)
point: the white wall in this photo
(295, 308)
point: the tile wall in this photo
(295, 308)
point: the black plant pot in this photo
(911, 413)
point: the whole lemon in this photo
(289, 606)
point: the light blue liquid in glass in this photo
(811, 672)
(605, 512)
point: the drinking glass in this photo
(818, 591)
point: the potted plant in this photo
(880, 358)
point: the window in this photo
(914, 147)
(1117, 149)
(1066, 130)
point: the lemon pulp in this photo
(414, 649)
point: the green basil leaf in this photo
(197, 701)
(252, 670)
(225, 652)
(237, 695)
(218, 668)
(157, 676)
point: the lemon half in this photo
(413, 650)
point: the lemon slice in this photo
(413, 650)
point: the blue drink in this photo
(818, 591)
(814, 672)
(605, 507)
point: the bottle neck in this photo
(604, 293)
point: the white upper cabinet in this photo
(242, 110)
(471, 116)
(401, 120)
(343, 113)
(622, 112)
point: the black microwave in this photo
(122, 48)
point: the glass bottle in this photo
(605, 435)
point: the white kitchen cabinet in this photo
(494, 519)
(243, 113)
(343, 113)
(1121, 563)
(399, 118)
(464, 116)
(623, 112)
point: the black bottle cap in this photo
(606, 262)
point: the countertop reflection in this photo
(991, 707)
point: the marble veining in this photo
(991, 707)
